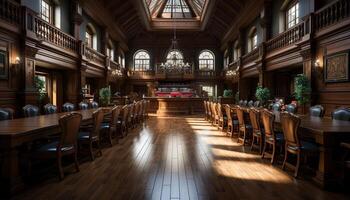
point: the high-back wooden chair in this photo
(31, 111)
(272, 139)
(92, 135)
(250, 103)
(94, 105)
(130, 116)
(83, 106)
(293, 145)
(257, 140)
(50, 109)
(66, 145)
(244, 131)
(124, 120)
(68, 107)
(341, 114)
(205, 110)
(291, 108)
(317, 111)
(232, 124)
(112, 127)
(222, 119)
(215, 114)
(6, 113)
(209, 111)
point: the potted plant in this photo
(40, 87)
(228, 93)
(105, 96)
(262, 94)
(302, 90)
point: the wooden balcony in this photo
(10, 12)
(143, 75)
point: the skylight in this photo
(176, 9)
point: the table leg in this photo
(324, 176)
(11, 179)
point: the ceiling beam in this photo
(207, 13)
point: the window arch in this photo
(90, 36)
(142, 61)
(175, 57)
(236, 50)
(253, 39)
(206, 60)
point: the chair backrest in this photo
(276, 107)
(228, 112)
(214, 106)
(240, 103)
(251, 103)
(205, 107)
(341, 114)
(208, 107)
(83, 106)
(254, 116)
(6, 113)
(115, 115)
(69, 124)
(268, 120)
(219, 110)
(50, 109)
(68, 107)
(97, 117)
(94, 104)
(257, 104)
(240, 116)
(290, 125)
(30, 111)
(291, 108)
(317, 111)
(245, 103)
(125, 111)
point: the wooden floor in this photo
(176, 158)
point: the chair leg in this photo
(76, 161)
(273, 153)
(297, 166)
(252, 145)
(263, 151)
(260, 145)
(59, 166)
(285, 158)
(91, 151)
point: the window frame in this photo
(49, 19)
(178, 61)
(210, 66)
(144, 64)
(89, 41)
(296, 20)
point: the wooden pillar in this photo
(77, 19)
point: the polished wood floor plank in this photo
(176, 158)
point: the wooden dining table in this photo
(16, 133)
(327, 134)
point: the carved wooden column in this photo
(29, 94)
(77, 18)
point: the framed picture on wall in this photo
(3, 65)
(336, 67)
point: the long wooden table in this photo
(17, 132)
(328, 134)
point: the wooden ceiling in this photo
(131, 16)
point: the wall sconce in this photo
(318, 66)
(17, 60)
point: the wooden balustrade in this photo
(251, 56)
(10, 12)
(332, 14)
(142, 73)
(50, 33)
(206, 73)
(93, 56)
(114, 65)
(287, 38)
(233, 65)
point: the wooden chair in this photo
(222, 119)
(209, 111)
(240, 103)
(254, 116)
(272, 139)
(290, 125)
(291, 108)
(341, 114)
(83, 106)
(244, 129)
(124, 120)
(6, 113)
(317, 111)
(129, 123)
(94, 105)
(251, 103)
(68, 107)
(205, 110)
(232, 124)
(92, 135)
(257, 104)
(30, 111)
(215, 115)
(276, 107)
(112, 127)
(50, 109)
(245, 103)
(66, 145)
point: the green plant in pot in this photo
(263, 95)
(40, 87)
(302, 90)
(228, 93)
(105, 96)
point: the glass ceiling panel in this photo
(176, 9)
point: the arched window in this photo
(141, 61)
(110, 50)
(292, 14)
(253, 39)
(206, 60)
(236, 51)
(174, 57)
(90, 37)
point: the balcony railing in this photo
(93, 56)
(287, 38)
(251, 56)
(332, 14)
(10, 11)
(205, 73)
